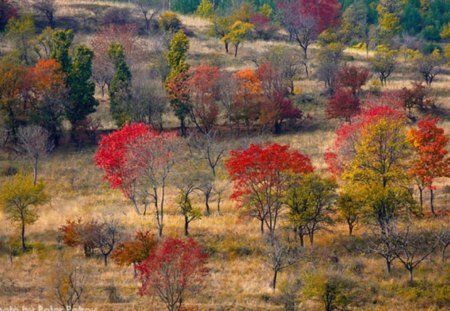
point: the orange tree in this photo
(260, 177)
(431, 156)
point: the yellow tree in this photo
(375, 169)
(19, 198)
(237, 34)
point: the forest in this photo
(224, 155)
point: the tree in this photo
(170, 22)
(7, 11)
(304, 20)
(176, 82)
(145, 6)
(329, 56)
(247, 98)
(34, 142)
(412, 247)
(260, 177)
(189, 212)
(138, 160)
(352, 77)
(384, 63)
(106, 238)
(68, 282)
(81, 233)
(204, 92)
(102, 66)
(415, 97)
(372, 159)
(47, 8)
(205, 9)
(382, 245)
(280, 255)
(343, 104)
(47, 93)
(120, 89)
(134, 251)
(287, 62)
(349, 208)
(81, 94)
(277, 107)
(175, 268)
(21, 32)
(61, 42)
(19, 199)
(310, 201)
(355, 24)
(429, 66)
(237, 34)
(389, 13)
(220, 28)
(430, 159)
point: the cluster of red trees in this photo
(246, 97)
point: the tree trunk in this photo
(207, 197)
(105, 260)
(236, 47)
(350, 228)
(388, 266)
(262, 226)
(274, 280)
(182, 127)
(311, 238)
(301, 236)
(35, 171)
(227, 49)
(22, 235)
(411, 278)
(186, 226)
(421, 200)
(432, 202)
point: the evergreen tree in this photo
(119, 90)
(61, 41)
(81, 102)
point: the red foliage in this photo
(352, 77)
(431, 160)
(203, 86)
(416, 97)
(173, 269)
(112, 154)
(261, 24)
(277, 107)
(348, 135)
(390, 99)
(7, 11)
(323, 13)
(260, 176)
(343, 104)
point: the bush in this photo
(117, 16)
(169, 21)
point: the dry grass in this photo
(239, 278)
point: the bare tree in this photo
(280, 255)
(34, 143)
(47, 8)
(412, 247)
(383, 246)
(69, 282)
(106, 238)
(149, 9)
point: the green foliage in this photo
(333, 291)
(61, 42)
(120, 87)
(21, 32)
(384, 62)
(266, 10)
(19, 198)
(205, 9)
(176, 57)
(82, 89)
(237, 34)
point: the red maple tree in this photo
(175, 268)
(343, 104)
(203, 86)
(352, 77)
(261, 175)
(137, 159)
(431, 158)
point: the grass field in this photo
(239, 277)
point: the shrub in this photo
(169, 21)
